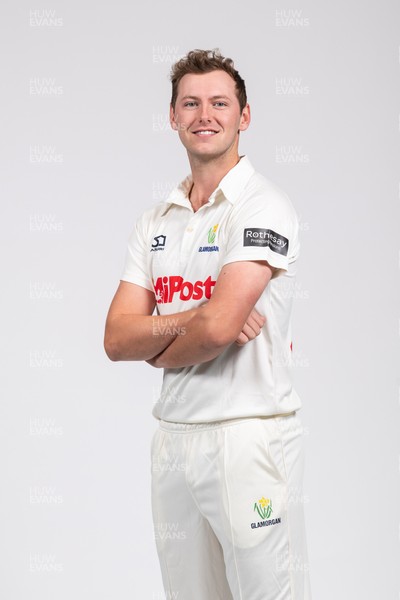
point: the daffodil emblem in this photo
(264, 507)
(212, 233)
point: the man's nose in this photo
(204, 113)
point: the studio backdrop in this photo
(86, 147)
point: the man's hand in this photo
(251, 329)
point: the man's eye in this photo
(220, 103)
(190, 104)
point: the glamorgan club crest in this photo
(264, 510)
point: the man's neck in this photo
(206, 176)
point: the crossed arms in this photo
(199, 334)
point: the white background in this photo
(85, 148)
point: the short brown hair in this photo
(205, 61)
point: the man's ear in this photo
(245, 118)
(172, 118)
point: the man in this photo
(218, 257)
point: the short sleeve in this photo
(264, 227)
(136, 265)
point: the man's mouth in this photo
(205, 132)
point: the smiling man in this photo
(217, 261)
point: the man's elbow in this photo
(111, 349)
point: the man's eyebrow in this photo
(218, 96)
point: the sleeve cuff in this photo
(137, 280)
(275, 260)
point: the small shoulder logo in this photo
(158, 243)
(264, 509)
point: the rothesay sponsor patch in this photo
(265, 238)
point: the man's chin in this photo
(205, 155)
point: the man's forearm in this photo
(141, 337)
(196, 346)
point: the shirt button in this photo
(189, 228)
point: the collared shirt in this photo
(178, 254)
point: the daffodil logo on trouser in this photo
(212, 232)
(264, 507)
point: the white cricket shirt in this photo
(178, 254)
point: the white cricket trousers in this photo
(227, 506)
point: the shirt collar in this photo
(231, 185)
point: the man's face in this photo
(207, 114)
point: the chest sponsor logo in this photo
(211, 235)
(265, 238)
(169, 288)
(158, 243)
